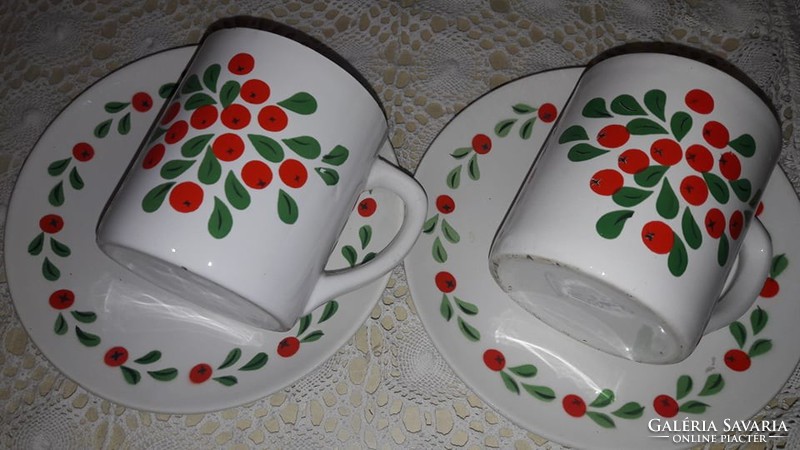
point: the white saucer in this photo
(549, 383)
(119, 338)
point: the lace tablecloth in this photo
(427, 59)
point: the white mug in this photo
(238, 195)
(631, 219)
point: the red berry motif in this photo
(171, 112)
(658, 237)
(176, 132)
(494, 359)
(737, 360)
(666, 152)
(699, 158)
(293, 173)
(186, 197)
(235, 116)
(716, 134)
(256, 174)
(200, 373)
(153, 156)
(241, 64)
(694, 190)
(730, 166)
(142, 101)
(116, 356)
(715, 223)
(367, 207)
(51, 223)
(288, 346)
(613, 136)
(759, 208)
(770, 288)
(445, 282)
(272, 118)
(633, 161)
(547, 112)
(665, 406)
(574, 405)
(228, 147)
(481, 143)
(254, 91)
(82, 151)
(699, 101)
(736, 224)
(445, 204)
(62, 299)
(606, 182)
(203, 117)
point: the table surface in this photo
(427, 60)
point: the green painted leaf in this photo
(198, 100)
(337, 156)
(430, 224)
(56, 168)
(454, 178)
(131, 376)
(235, 192)
(667, 203)
(678, 259)
(87, 339)
(227, 380)
(166, 90)
(691, 231)
(655, 101)
(167, 374)
(742, 188)
(304, 323)
(509, 382)
(50, 271)
(684, 386)
(231, 359)
(124, 125)
(473, 170)
(723, 250)
(526, 130)
(267, 147)
(779, 264)
(739, 333)
(462, 152)
(210, 169)
(210, 77)
(642, 126)
(439, 253)
(601, 419)
(604, 398)
(155, 197)
(758, 320)
(449, 232)
(256, 362)
(56, 195)
(229, 92)
(573, 133)
(755, 199)
(75, 179)
(350, 254)
(468, 330)
(466, 307)
(714, 383)
(330, 309)
(115, 107)
(693, 407)
(650, 176)
(542, 393)
(630, 410)
(305, 146)
(745, 145)
(630, 196)
(445, 309)
(59, 248)
(365, 235)
(522, 108)
(35, 247)
(220, 221)
(311, 337)
(301, 103)
(60, 326)
(173, 169)
(368, 257)
(84, 316)
(329, 176)
(680, 124)
(525, 370)
(717, 187)
(760, 347)
(195, 145)
(626, 105)
(102, 128)
(610, 224)
(584, 152)
(191, 84)
(504, 127)
(595, 107)
(149, 358)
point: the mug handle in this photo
(387, 176)
(755, 257)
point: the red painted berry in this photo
(445, 282)
(716, 134)
(51, 223)
(606, 182)
(62, 299)
(153, 156)
(445, 204)
(759, 208)
(176, 132)
(272, 118)
(481, 143)
(730, 166)
(203, 117)
(633, 161)
(665, 406)
(574, 405)
(235, 116)
(494, 359)
(254, 91)
(699, 158)
(694, 190)
(256, 174)
(547, 112)
(715, 223)
(186, 197)
(116, 356)
(666, 152)
(736, 224)
(200, 373)
(699, 101)
(293, 173)
(171, 112)
(613, 136)
(82, 151)
(367, 207)
(658, 237)
(142, 101)
(228, 147)
(241, 64)
(737, 360)
(770, 288)
(288, 346)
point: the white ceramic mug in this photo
(238, 196)
(626, 229)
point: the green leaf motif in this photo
(220, 221)
(155, 197)
(449, 232)
(760, 347)
(210, 169)
(678, 258)
(75, 179)
(337, 156)
(267, 147)
(522, 108)
(693, 407)
(454, 178)
(305, 146)
(166, 90)
(439, 253)
(210, 77)
(473, 170)
(56, 168)
(305, 322)
(758, 320)
(742, 188)
(466, 307)
(330, 309)
(173, 169)
(739, 333)
(779, 264)
(59, 248)
(504, 127)
(301, 103)
(195, 145)
(642, 126)
(84, 316)
(691, 230)
(430, 224)
(461, 152)
(231, 359)
(229, 92)
(227, 380)
(723, 250)
(595, 108)
(626, 105)
(601, 419)
(131, 376)
(256, 362)
(235, 192)
(365, 235)
(650, 176)
(630, 410)
(655, 101)
(717, 187)
(350, 255)
(115, 107)
(684, 386)
(445, 309)
(102, 128)
(329, 176)
(610, 224)
(468, 330)
(680, 124)
(745, 145)
(584, 152)
(525, 370)
(36, 245)
(573, 133)
(667, 202)
(87, 339)
(542, 393)
(714, 383)
(287, 208)
(509, 382)
(605, 398)
(168, 374)
(630, 196)
(149, 358)
(312, 337)
(56, 195)
(60, 326)
(49, 271)
(526, 130)
(191, 84)
(198, 100)
(124, 125)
